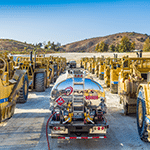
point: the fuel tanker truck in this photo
(77, 103)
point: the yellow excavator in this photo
(13, 84)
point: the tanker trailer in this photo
(78, 107)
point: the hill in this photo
(88, 45)
(17, 47)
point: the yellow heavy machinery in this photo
(83, 62)
(101, 68)
(91, 64)
(107, 71)
(98, 66)
(114, 75)
(143, 110)
(13, 84)
(133, 73)
(110, 63)
(41, 70)
(38, 71)
(58, 65)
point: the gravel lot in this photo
(26, 129)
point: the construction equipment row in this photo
(130, 78)
(16, 77)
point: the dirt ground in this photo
(26, 129)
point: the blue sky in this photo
(70, 21)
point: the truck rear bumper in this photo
(79, 131)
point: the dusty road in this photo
(26, 129)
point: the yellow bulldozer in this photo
(41, 70)
(115, 68)
(107, 72)
(111, 68)
(91, 62)
(57, 65)
(13, 84)
(37, 71)
(133, 73)
(84, 62)
(101, 68)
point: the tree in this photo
(133, 45)
(40, 44)
(58, 44)
(117, 48)
(51, 46)
(25, 48)
(97, 47)
(112, 48)
(49, 43)
(125, 45)
(146, 45)
(103, 47)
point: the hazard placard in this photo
(60, 101)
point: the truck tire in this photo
(93, 70)
(113, 88)
(141, 116)
(125, 109)
(40, 81)
(125, 105)
(23, 96)
(101, 77)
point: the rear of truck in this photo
(78, 107)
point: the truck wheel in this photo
(24, 91)
(125, 108)
(141, 116)
(0, 115)
(40, 81)
(93, 71)
(125, 105)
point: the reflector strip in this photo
(114, 82)
(94, 137)
(91, 97)
(3, 100)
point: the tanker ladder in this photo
(78, 94)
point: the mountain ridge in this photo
(86, 45)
